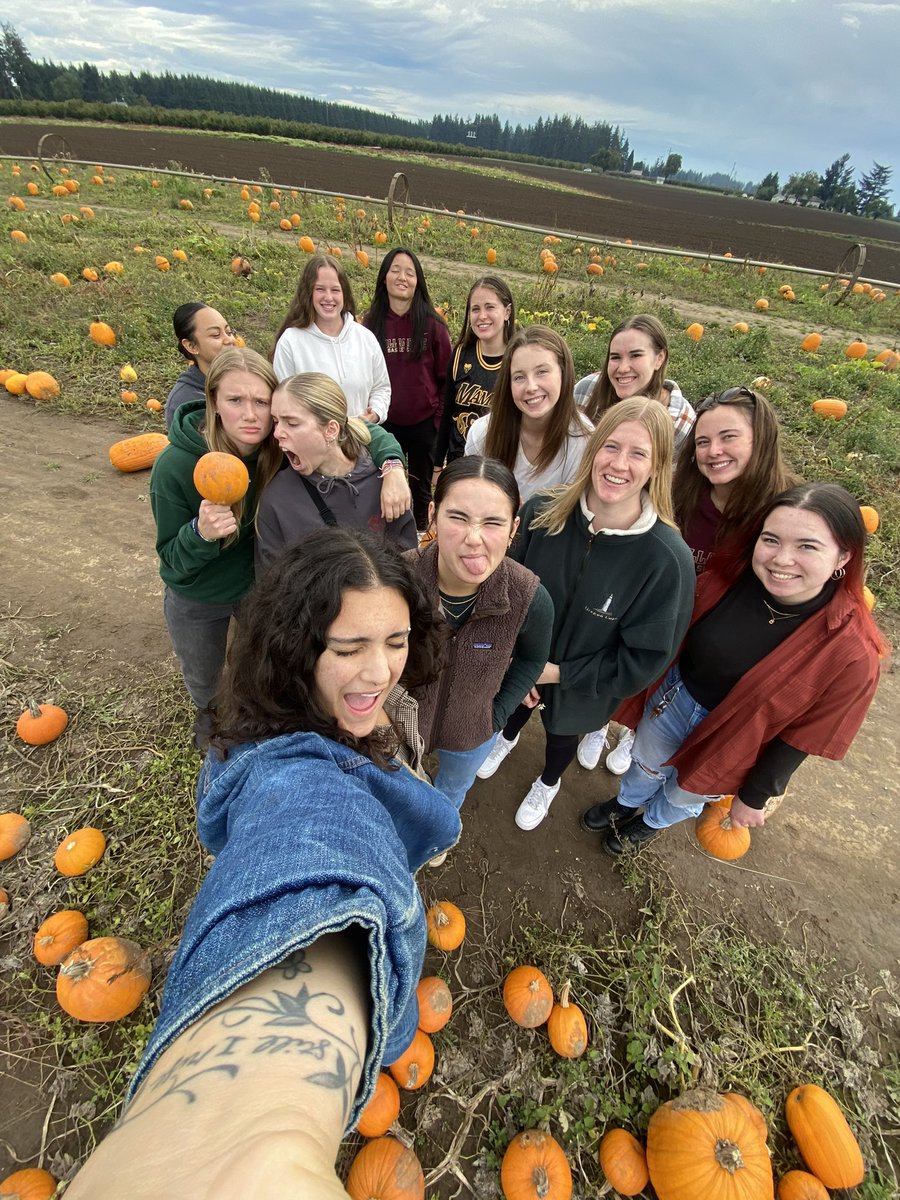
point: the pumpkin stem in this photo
(728, 1156)
(541, 1181)
(564, 994)
(34, 709)
(725, 823)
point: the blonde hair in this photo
(236, 358)
(325, 401)
(658, 423)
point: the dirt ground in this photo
(825, 870)
(611, 207)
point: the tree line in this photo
(836, 189)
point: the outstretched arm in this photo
(253, 1098)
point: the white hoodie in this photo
(353, 359)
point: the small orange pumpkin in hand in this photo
(718, 836)
(104, 979)
(81, 850)
(221, 478)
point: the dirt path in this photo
(77, 550)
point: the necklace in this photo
(458, 607)
(775, 615)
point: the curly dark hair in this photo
(269, 688)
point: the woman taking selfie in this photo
(416, 347)
(621, 580)
(296, 974)
(499, 617)
(321, 333)
(534, 427)
(332, 479)
(781, 661)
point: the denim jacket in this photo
(311, 837)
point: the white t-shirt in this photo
(561, 470)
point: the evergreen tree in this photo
(769, 187)
(873, 191)
(16, 68)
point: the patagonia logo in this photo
(483, 646)
(604, 610)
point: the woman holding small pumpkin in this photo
(206, 550)
(201, 332)
(321, 333)
(296, 974)
(781, 661)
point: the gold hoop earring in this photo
(838, 573)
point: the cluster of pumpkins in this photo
(700, 1144)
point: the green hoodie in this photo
(209, 572)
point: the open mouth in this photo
(362, 704)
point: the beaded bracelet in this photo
(391, 464)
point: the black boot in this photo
(634, 834)
(600, 817)
(203, 727)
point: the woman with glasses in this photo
(781, 661)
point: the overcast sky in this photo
(753, 85)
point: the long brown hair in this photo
(505, 424)
(765, 476)
(301, 314)
(655, 419)
(270, 457)
(495, 284)
(603, 395)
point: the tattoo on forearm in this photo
(328, 1052)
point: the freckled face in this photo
(365, 652)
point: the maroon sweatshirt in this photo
(417, 386)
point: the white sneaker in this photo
(536, 804)
(591, 747)
(619, 760)
(499, 751)
(438, 860)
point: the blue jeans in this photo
(456, 772)
(670, 714)
(199, 634)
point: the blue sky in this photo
(786, 85)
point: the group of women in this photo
(572, 522)
(719, 615)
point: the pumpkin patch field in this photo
(565, 997)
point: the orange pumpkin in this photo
(90, 274)
(180, 256)
(81, 850)
(446, 925)
(701, 1145)
(718, 836)
(41, 724)
(528, 996)
(61, 280)
(5, 903)
(241, 265)
(380, 238)
(550, 265)
(58, 936)
(15, 383)
(153, 405)
(811, 342)
(740, 327)
(362, 258)
(414, 1067)
(694, 331)
(566, 1026)
(103, 979)
(870, 517)
(162, 263)
(435, 1004)
(382, 1110)
(307, 244)
(830, 408)
(15, 834)
(800, 1185)
(856, 350)
(285, 224)
(869, 598)
(761, 304)
(491, 256)
(623, 1162)
(534, 1165)
(31, 1184)
(747, 1107)
(128, 396)
(137, 453)
(594, 268)
(19, 235)
(102, 334)
(385, 1170)
(889, 359)
(221, 478)
(823, 1137)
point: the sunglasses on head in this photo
(733, 393)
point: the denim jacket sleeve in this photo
(311, 838)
